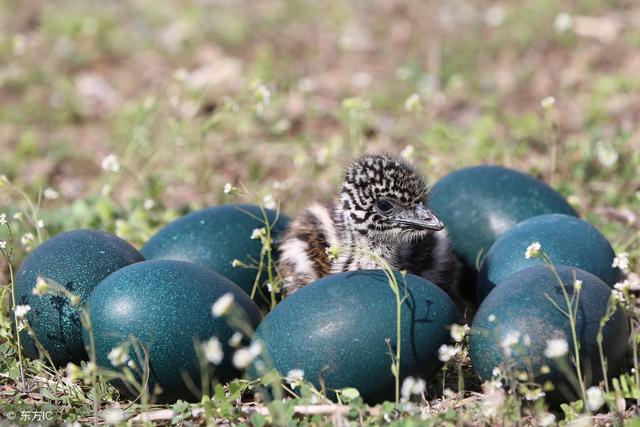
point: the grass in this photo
(275, 97)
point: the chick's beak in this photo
(420, 218)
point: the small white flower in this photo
(546, 419)
(113, 416)
(534, 394)
(510, 340)
(111, 163)
(22, 310)
(294, 377)
(595, 398)
(496, 372)
(118, 355)
(236, 263)
(3, 244)
(533, 250)
(606, 155)
(458, 332)
(27, 239)
(50, 193)
(493, 398)
(73, 372)
(413, 103)
(621, 261)
(577, 284)
(622, 286)
(148, 204)
(243, 357)
(222, 305)
(235, 340)
(411, 386)
(258, 233)
(3, 218)
(228, 188)
(41, 287)
(548, 102)
(131, 364)
(617, 295)
(491, 318)
(213, 350)
(556, 347)
(447, 352)
(40, 223)
(563, 22)
(408, 152)
(269, 202)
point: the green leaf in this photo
(258, 420)
(350, 393)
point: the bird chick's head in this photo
(383, 198)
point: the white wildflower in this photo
(556, 347)
(131, 364)
(496, 372)
(3, 244)
(73, 371)
(3, 218)
(269, 202)
(213, 350)
(458, 332)
(563, 22)
(228, 188)
(413, 104)
(617, 295)
(148, 204)
(295, 377)
(546, 419)
(41, 287)
(243, 357)
(533, 250)
(236, 263)
(595, 398)
(258, 233)
(606, 155)
(621, 261)
(577, 285)
(114, 416)
(411, 386)
(222, 305)
(111, 163)
(534, 394)
(22, 310)
(118, 355)
(493, 398)
(491, 318)
(622, 286)
(408, 152)
(40, 223)
(50, 193)
(235, 340)
(27, 239)
(447, 352)
(510, 340)
(548, 103)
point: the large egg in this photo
(515, 323)
(479, 204)
(214, 238)
(167, 306)
(78, 261)
(338, 331)
(565, 239)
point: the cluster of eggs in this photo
(340, 330)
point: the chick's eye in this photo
(384, 205)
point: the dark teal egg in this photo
(479, 204)
(336, 330)
(77, 260)
(567, 240)
(166, 305)
(521, 307)
(214, 237)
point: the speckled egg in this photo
(336, 330)
(216, 236)
(167, 306)
(515, 323)
(479, 204)
(567, 240)
(77, 260)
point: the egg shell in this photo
(565, 239)
(478, 204)
(336, 328)
(521, 307)
(77, 260)
(214, 237)
(167, 305)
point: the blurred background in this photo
(122, 115)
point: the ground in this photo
(124, 115)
